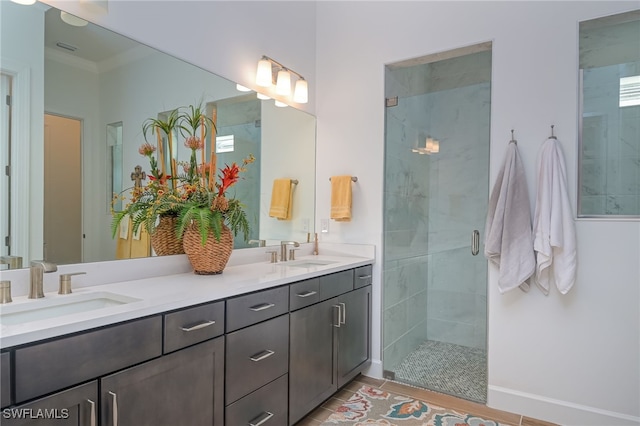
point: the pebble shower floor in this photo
(448, 368)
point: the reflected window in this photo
(609, 168)
(224, 144)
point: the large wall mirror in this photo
(71, 137)
(609, 168)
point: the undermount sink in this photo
(304, 263)
(60, 305)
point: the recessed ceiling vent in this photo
(66, 46)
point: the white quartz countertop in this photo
(169, 292)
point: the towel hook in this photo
(552, 135)
(513, 139)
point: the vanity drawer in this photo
(267, 405)
(243, 311)
(336, 284)
(193, 325)
(54, 365)
(255, 356)
(304, 293)
(363, 276)
(5, 379)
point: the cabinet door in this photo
(354, 334)
(183, 388)
(312, 350)
(73, 407)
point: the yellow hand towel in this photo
(281, 199)
(341, 198)
(141, 244)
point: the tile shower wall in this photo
(426, 294)
(610, 175)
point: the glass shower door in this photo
(436, 193)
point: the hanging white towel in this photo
(553, 225)
(508, 239)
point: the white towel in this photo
(508, 239)
(553, 225)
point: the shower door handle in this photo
(475, 242)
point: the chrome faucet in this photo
(283, 248)
(38, 268)
(261, 243)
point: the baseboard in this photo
(554, 410)
(374, 370)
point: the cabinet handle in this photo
(307, 294)
(364, 277)
(114, 408)
(339, 316)
(343, 313)
(261, 419)
(262, 307)
(198, 326)
(262, 355)
(92, 406)
(475, 242)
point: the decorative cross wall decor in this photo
(138, 176)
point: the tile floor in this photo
(321, 413)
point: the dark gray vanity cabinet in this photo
(72, 407)
(5, 379)
(329, 345)
(183, 388)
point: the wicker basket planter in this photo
(211, 258)
(164, 240)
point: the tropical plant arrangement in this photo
(194, 198)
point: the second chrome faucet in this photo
(283, 249)
(37, 270)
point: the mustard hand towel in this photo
(141, 245)
(341, 198)
(281, 199)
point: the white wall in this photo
(570, 359)
(22, 56)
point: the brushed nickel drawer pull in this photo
(92, 414)
(261, 419)
(339, 316)
(114, 408)
(343, 313)
(198, 326)
(262, 307)
(262, 355)
(364, 277)
(475, 242)
(307, 294)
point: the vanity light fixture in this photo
(280, 104)
(262, 97)
(264, 78)
(72, 19)
(241, 88)
(24, 2)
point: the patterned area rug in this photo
(372, 406)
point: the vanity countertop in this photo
(169, 292)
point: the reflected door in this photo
(5, 155)
(62, 190)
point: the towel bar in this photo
(353, 179)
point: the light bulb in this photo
(435, 148)
(280, 104)
(261, 96)
(72, 19)
(264, 76)
(301, 92)
(283, 84)
(24, 2)
(241, 88)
